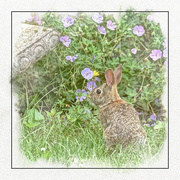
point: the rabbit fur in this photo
(119, 120)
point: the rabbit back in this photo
(121, 124)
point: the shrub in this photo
(54, 90)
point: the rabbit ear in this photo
(109, 75)
(117, 74)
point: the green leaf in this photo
(32, 125)
(68, 116)
(73, 119)
(59, 113)
(38, 115)
(34, 114)
(48, 113)
(47, 155)
(131, 92)
(53, 111)
(160, 125)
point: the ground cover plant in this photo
(57, 121)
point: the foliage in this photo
(47, 90)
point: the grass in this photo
(56, 127)
(65, 143)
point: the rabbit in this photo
(119, 120)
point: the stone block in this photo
(33, 43)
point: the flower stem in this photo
(142, 83)
(115, 45)
(151, 108)
(83, 48)
(143, 58)
(142, 45)
(140, 89)
(73, 31)
(114, 39)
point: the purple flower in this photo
(143, 67)
(77, 97)
(149, 17)
(110, 25)
(92, 58)
(165, 53)
(79, 90)
(71, 58)
(65, 40)
(87, 73)
(118, 46)
(138, 30)
(156, 100)
(97, 79)
(148, 125)
(84, 91)
(68, 21)
(101, 29)
(82, 98)
(98, 18)
(156, 54)
(73, 34)
(139, 113)
(87, 111)
(166, 64)
(37, 20)
(165, 43)
(30, 19)
(91, 85)
(134, 51)
(153, 117)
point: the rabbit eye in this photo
(98, 91)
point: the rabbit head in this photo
(107, 92)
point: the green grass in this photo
(65, 143)
(52, 117)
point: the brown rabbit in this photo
(119, 120)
